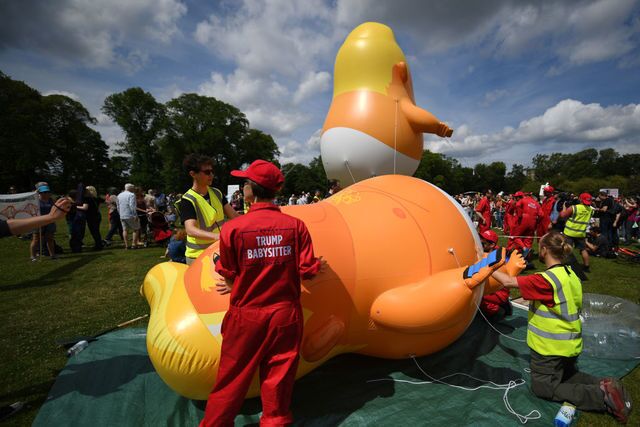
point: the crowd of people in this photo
(604, 221)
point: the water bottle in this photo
(565, 415)
(77, 348)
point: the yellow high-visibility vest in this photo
(576, 225)
(209, 216)
(557, 331)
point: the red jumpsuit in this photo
(545, 220)
(509, 217)
(527, 213)
(484, 209)
(265, 253)
(491, 303)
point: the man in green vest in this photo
(554, 335)
(202, 208)
(575, 229)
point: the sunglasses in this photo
(207, 171)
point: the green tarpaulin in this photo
(112, 382)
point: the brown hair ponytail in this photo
(557, 245)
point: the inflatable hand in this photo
(396, 248)
(479, 272)
(373, 126)
(513, 266)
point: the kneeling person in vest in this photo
(202, 208)
(554, 335)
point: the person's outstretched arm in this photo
(24, 225)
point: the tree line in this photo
(50, 138)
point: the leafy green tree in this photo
(47, 138)
(205, 125)
(24, 144)
(78, 153)
(515, 179)
(581, 164)
(628, 165)
(319, 174)
(444, 172)
(491, 176)
(607, 162)
(142, 119)
(119, 167)
(300, 178)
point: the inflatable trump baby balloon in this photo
(404, 277)
(373, 126)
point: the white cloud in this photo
(278, 51)
(94, 33)
(569, 123)
(283, 36)
(493, 95)
(314, 83)
(62, 92)
(573, 33)
(294, 151)
(278, 123)
(244, 89)
(266, 103)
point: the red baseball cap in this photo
(548, 189)
(490, 235)
(518, 194)
(262, 173)
(585, 198)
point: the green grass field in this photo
(81, 294)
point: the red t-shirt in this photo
(266, 253)
(536, 288)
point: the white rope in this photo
(452, 251)
(492, 327)
(532, 415)
(346, 163)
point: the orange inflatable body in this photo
(396, 248)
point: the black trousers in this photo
(93, 224)
(78, 224)
(557, 378)
(115, 226)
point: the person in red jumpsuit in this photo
(546, 208)
(483, 211)
(509, 215)
(527, 214)
(263, 257)
(494, 306)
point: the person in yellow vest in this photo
(554, 335)
(202, 208)
(575, 228)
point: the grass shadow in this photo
(54, 276)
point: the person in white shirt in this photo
(128, 215)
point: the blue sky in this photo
(513, 78)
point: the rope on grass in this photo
(532, 415)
